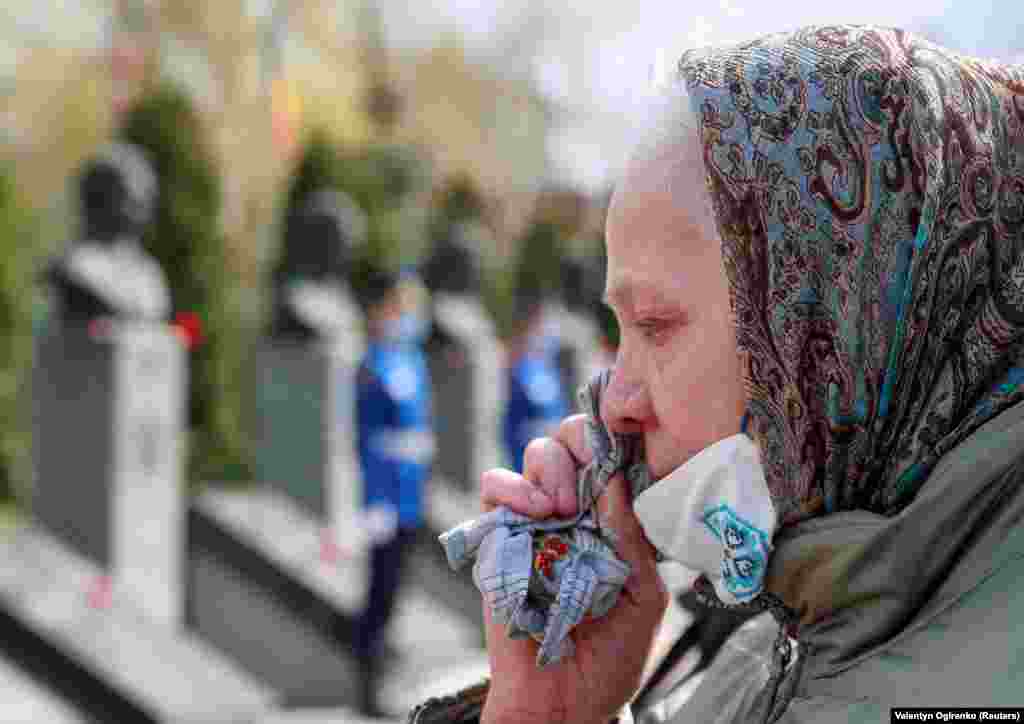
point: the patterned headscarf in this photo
(869, 190)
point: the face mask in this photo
(544, 345)
(409, 328)
(714, 515)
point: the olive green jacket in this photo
(923, 609)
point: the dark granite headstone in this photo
(109, 382)
(465, 370)
(109, 445)
(94, 584)
(465, 364)
(305, 395)
(272, 555)
(306, 408)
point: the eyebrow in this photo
(623, 295)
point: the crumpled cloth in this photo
(540, 578)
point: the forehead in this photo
(655, 247)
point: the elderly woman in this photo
(822, 235)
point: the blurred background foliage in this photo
(244, 107)
(383, 179)
(187, 240)
(19, 257)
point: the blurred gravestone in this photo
(94, 584)
(465, 363)
(276, 553)
(109, 387)
(307, 363)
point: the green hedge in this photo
(19, 249)
(187, 240)
(379, 178)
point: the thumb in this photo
(633, 547)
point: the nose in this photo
(626, 405)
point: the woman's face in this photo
(677, 376)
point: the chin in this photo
(660, 465)
(658, 469)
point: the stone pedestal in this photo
(468, 391)
(109, 454)
(92, 590)
(268, 582)
(278, 575)
(268, 589)
(105, 653)
(306, 426)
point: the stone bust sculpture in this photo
(106, 272)
(312, 300)
(454, 266)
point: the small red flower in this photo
(100, 328)
(557, 546)
(329, 548)
(100, 593)
(190, 328)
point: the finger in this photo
(503, 487)
(645, 584)
(550, 465)
(572, 433)
(617, 511)
(504, 653)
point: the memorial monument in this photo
(465, 362)
(278, 549)
(109, 389)
(93, 586)
(308, 360)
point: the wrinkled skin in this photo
(677, 383)
(540, 578)
(610, 652)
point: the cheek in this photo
(697, 388)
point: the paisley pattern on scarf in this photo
(869, 190)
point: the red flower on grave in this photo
(189, 328)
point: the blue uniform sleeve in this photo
(375, 413)
(415, 430)
(515, 411)
(396, 443)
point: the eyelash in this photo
(651, 329)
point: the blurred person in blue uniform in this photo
(396, 451)
(536, 395)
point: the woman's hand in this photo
(595, 683)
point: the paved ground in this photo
(441, 654)
(22, 701)
(441, 657)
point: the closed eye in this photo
(654, 329)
